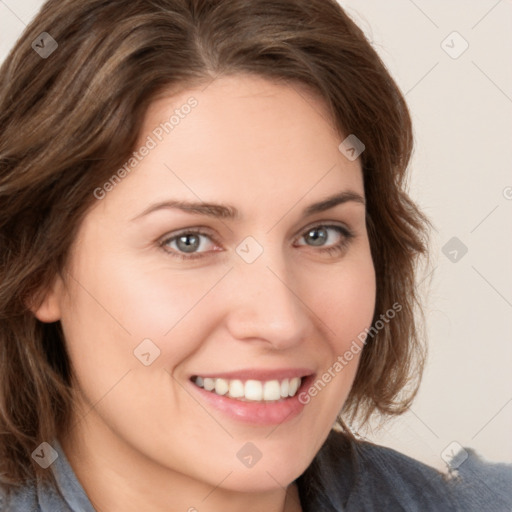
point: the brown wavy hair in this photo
(68, 120)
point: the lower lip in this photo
(256, 413)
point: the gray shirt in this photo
(367, 478)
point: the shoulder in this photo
(394, 481)
(363, 476)
(474, 485)
(34, 497)
(483, 485)
(22, 499)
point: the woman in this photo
(208, 262)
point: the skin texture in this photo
(141, 440)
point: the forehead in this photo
(246, 109)
(245, 139)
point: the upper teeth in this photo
(255, 390)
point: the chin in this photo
(264, 476)
(260, 481)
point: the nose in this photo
(266, 305)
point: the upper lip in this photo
(259, 374)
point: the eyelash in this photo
(332, 250)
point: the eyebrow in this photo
(224, 211)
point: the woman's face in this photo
(156, 295)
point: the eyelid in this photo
(185, 231)
(194, 230)
(326, 224)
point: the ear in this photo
(46, 305)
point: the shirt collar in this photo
(70, 492)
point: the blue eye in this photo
(190, 244)
(186, 244)
(319, 237)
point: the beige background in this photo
(461, 176)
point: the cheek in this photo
(126, 330)
(115, 305)
(346, 300)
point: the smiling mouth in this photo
(251, 390)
